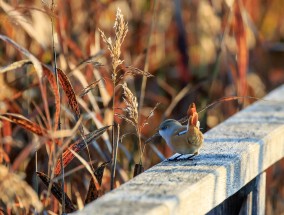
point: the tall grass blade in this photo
(71, 96)
(57, 192)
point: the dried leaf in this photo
(14, 65)
(70, 94)
(89, 88)
(52, 81)
(78, 146)
(57, 192)
(91, 59)
(131, 71)
(93, 193)
(24, 122)
(135, 71)
(99, 172)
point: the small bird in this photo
(183, 139)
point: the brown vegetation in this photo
(79, 94)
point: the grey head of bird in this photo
(167, 128)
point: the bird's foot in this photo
(191, 157)
(175, 158)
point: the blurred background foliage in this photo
(199, 51)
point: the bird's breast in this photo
(189, 142)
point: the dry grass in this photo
(16, 193)
(198, 51)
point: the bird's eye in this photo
(164, 127)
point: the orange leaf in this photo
(70, 93)
(24, 122)
(52, 81)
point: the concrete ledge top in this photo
(234, 153)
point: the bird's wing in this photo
(181, 131)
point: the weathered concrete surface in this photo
(234, 153)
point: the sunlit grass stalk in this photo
(114, 47)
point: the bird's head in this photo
(168, 127)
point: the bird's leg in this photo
(175, 158)
(190, 157)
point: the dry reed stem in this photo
(121, 29)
